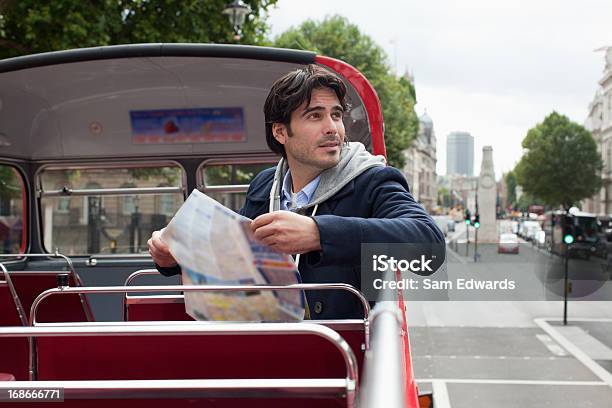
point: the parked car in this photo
(533, 231)
(508, 244)
(528, 229)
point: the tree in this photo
(526, 201)
(510, 180)
(336, 37)
(444, 197)
(31, 26)
(561, 165)
(10, 183)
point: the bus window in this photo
(12, 200)
(107, 210)
(228, 183)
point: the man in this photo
(338, 194)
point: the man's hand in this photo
(159, 251)
(287, 232)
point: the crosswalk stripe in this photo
(551, 345)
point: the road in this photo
(517, 353)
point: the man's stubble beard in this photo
(305, 159)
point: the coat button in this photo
(318, 307)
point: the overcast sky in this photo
(492, 68)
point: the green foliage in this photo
(10, 182)
(32, 26)
(169, 175)
(233, 173)
(561, 165)
(336, 37)
(525, 201)
(510, 180)
(444, 197)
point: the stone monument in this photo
(487, 198)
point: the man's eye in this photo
(337, 115)
(314, 115)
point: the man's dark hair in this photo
(293, 89)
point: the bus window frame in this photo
(25, 199)
(271, 159)
(118, 164)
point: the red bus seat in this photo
(195, 356)
(14, 351)
(10, 314)
(200, 356)
(155, 308)
(65, 308)
(172, 308)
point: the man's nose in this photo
(330, 126)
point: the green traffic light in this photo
(467, 222)
(568, 239)
(477, 225)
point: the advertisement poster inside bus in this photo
(197, 125)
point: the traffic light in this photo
(468, 217)
(477, 221)
(568, 237)
(568, 233)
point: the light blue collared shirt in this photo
(302, 198)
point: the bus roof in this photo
(100, 102)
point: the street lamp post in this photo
(476, 228)
(468, 221)
(565, 284)
(568, 239)
(237, 11)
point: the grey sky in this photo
(492, 68)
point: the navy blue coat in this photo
(375, 207)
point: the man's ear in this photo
(279, 130)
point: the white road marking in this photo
(440, 394)
(505, 382)
(455, 255)
(551, 345)
(584, 341)
(580, 355)
(580, 319)
(480, 357)
(432, 316)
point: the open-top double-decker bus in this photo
(85, 179)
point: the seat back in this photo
(10, 313)
(66, 308)
(155, 308)
(202, 356)
(14, 351)
(196, 356)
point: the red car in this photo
(508, 244)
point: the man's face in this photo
(315, 136)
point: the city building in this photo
(599, 123)
(462, 190)
(420, 167)
(460, 154)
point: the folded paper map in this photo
(214, 246)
